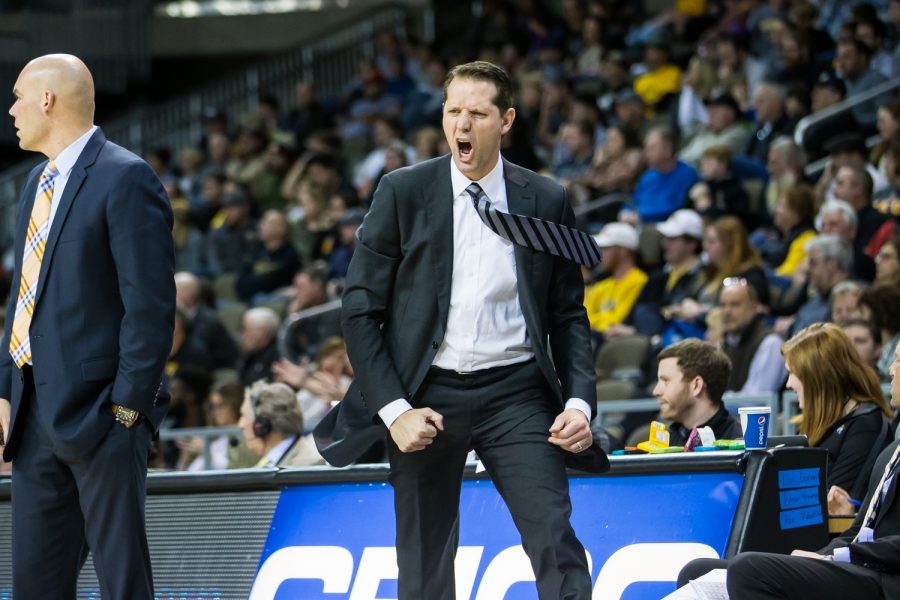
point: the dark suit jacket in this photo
(105, 302)
(397, 299)
(883, 553)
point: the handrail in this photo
(289, 322)
(841, 107)
(207, 434)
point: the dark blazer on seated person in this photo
(883, 552)
(850, 443)
(873, 570)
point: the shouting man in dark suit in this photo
(450, 328)
(88, 327)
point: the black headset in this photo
(262, 425)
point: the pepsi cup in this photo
(755, 424)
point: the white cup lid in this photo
(755, 409)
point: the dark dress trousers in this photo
(100, 334)
(395, 312)
(873, 570)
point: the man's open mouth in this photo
(465, 148)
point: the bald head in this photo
(54, 103)
(187, 290)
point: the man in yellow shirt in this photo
(609, 301)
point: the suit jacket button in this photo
(435, 345)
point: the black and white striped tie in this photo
(537, 234)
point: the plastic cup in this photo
(755, 425)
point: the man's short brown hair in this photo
(697, 358)
(481, 70)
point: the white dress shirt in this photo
(485, 323)
(277, 452)
(64, 162)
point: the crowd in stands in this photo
(683, 121)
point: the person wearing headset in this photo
(272, 423)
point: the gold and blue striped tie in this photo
(35, 242)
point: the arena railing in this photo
(331, 62)
(815, 168)
(206, 434)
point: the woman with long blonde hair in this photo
(844, 410)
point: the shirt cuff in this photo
(579, 404)
(842, 554)
(392, 410)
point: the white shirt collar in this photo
(66, 159)
(280, 449)
(493, 184)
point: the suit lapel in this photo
(521, 201)
(73, 185)
(889, 498)
(438, 199)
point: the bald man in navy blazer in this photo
(78, 410)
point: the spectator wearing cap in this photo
(723, 130)
(664, 186)
(827, 90)
(771, 120)
(838, 217)
(852, 61)
(679, 278)
(753, 348)
(614, 77)
(630, 111)
(231, 240)
(610, 301)
(272, 424)
(662, 79)
(854, 186)
(846, 150)
(719, 193)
